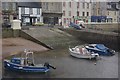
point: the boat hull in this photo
(15, 67)
(78, 55)
(100, 52)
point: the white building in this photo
(112, 16)
(30, 12)
(84, 11)
(74, 11)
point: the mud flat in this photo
(11, 46)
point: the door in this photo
(30, 21)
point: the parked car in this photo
(38, 24)
(74, 25)
(6, 25)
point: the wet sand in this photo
(71, 67)
(11, 46)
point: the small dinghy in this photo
(26, 64)
(101, 49)
(82, 52)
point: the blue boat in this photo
(26, 64)
(100, 49)
(75, 26)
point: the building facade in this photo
(52, 12)
(84, 11)
(98, 12)
(30, 12)
(69, 11)
(74, 11)
(9, 11)
(112, 12)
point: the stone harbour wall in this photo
(91, 36)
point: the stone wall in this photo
(109, 39)
(7, 33)
(103, 26)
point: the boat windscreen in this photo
(100, 46)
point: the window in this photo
(77, 4)
(108, 12)
(83, 5)
(64, 20)
(38, 19)
(63, 4)
(14, 6)
(38, 11)
(83, 14)
(87, 13)
(77, 13)
(70, 4)
(87, 5)
(22, 10)
(27, 11)
(108, 6)
(115, 12)
(119, 5)
(98, 11)
(46, 5)
(63, 13)
(69, 13)
(5, 6)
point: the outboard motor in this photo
(48, 65)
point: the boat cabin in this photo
(27, 60)
(16, 61)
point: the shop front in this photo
(85, 19)
(51, 18)
(98, 18)
(28, 19)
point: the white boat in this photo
(82, 52)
